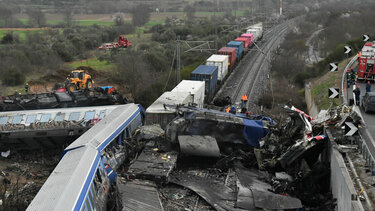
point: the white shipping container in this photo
(195, 88)
(158, 114)
(221, 61)
(257, 30)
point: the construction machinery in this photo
(122, 42)
(78, 79)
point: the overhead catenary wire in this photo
(170, 71)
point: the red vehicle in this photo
(123, 42)
(366, 62)
(231, 52)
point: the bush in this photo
(13, 77)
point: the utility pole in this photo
(198, 46)
(178, 60)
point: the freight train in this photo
(218, 67)
(213, 73)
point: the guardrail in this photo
(343, 99)
(368, 151)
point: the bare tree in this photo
(6, 15)
(37, 17)
(68, 15)
(141, 15)
(190, 12)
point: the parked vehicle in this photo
(79, 79)
(368, 102)
(366, 61)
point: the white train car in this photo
(257, 30)
(195, 88)
(83, 177)
(156, 113)
(221, 61)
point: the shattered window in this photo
(89, 115)
(17, 119)
(74, 116)
(3, 120)
(30, 119)
(59, 118)
(102, 114)
(45, 118)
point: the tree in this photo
(141, 15)
(190, 12)
(6, 15)
(68, 15)
(37, 17)
(119, 19)
(13, 77)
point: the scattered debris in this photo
(205, 146)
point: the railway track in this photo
(243, 80)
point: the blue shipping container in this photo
(209, 75)
(239, 46)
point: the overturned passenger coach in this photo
(82, 179)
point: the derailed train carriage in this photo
(82, 179)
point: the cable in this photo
(169, 75)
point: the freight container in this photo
(251, 37)
(209, 75)
(239, 48)
(257, 30)
(195, 88)
(221, 61)
(245, 41)
(158, 114)
(231, 53)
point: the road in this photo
(313, 55)
(250, 77)
(368, 118)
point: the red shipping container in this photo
(244, 40)
(231, 52)
(250, 36)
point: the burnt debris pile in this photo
(211, 160)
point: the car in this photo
(368, 102)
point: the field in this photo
(93, 63)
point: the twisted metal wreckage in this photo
(232, 161)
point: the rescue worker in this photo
(27, 88)
(368, 87)
(227, 110)
(348, 79)
(244, 100)
(357, 93)
(232, 110)
(352, 76)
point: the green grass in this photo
(92, 22)
(319, 90)
(93, 63)
(22, 34)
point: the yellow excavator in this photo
(79, 79)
